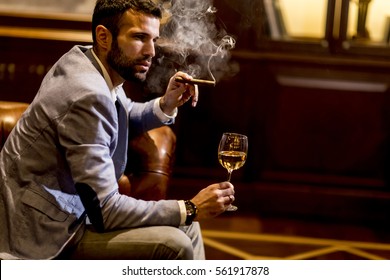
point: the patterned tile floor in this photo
(251, 238)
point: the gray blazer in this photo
(63, 159)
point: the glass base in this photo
(232, 208)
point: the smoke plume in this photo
(192, 41)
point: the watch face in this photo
(191, 212)
(190, 209)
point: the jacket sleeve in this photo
(142, 115)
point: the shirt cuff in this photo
(160, 114)
(183, 212)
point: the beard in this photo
(124, 66)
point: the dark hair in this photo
(109, 13)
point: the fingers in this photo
(187, 91)
(227, 192)
(195, 96)
(181, 85)
(214, 199)
(225, 185)
(229, 199)
(183, 75)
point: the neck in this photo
(116, 79)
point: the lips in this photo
(143, 66)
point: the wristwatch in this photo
(192, 211)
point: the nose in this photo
(149, 49)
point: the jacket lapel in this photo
(120, 154)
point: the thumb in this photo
(225, 185)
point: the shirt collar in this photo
(107, 78)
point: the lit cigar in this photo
(195, 81)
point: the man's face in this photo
(132, 51)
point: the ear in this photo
(103, 37)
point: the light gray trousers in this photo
(158, 242)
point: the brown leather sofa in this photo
(151, 156)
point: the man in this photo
(62, 161)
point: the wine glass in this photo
(232, 153)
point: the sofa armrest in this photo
(150, 162)
(10, 113)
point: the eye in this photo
(141, 37)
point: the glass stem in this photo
(229, 176)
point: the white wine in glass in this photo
(232, 153)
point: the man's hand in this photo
(178, 93)
(213, 200)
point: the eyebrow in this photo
(144, 34)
